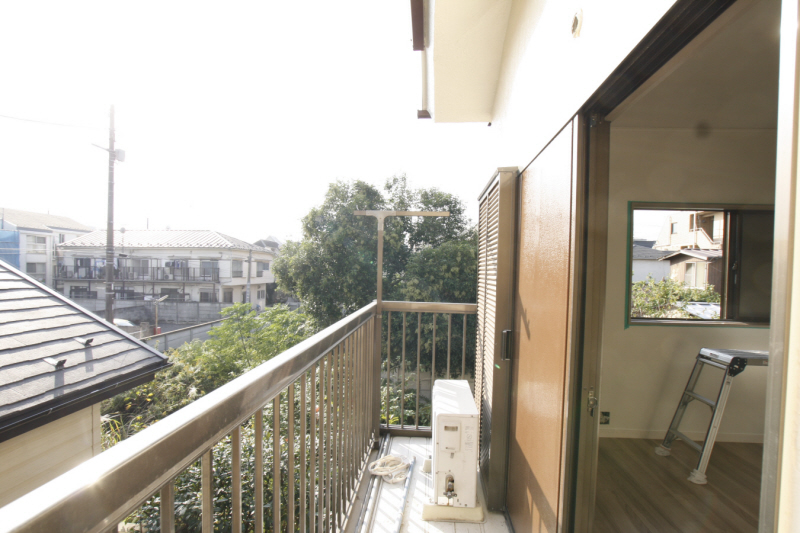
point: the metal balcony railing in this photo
(140, 273)
(299, 430)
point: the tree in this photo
(333, 268)
(242, 342)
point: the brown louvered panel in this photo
(495, 259)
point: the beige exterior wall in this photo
(645, 368)
(38, 456)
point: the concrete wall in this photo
(176, 312)
(645, 367)
(34, 458)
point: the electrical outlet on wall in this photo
(605, 417)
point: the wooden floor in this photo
(639, 491)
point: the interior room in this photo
(700, 135)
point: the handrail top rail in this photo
(100, 492)
(431, 307)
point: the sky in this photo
(234, 116)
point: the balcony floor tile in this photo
(420, 492)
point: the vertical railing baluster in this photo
(449, 338)
(464, 349)
(388, 365)
(276, 463)
(433, 354)
(403, 376)
(351, 390)
(329, 483)
(290, 499)
(419, 352)
(167, 509)
(312, 496)
(335, 434)
(207, 484)
(322, 463)
(236, 480)
(303, 444)
(258, 478)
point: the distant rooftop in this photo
(57, 358)
(644, 253)
(696, 253)
(271, 242)
(38, 221)
(174, 238)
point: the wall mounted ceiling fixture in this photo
(577, 23)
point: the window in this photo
(209, 270)
(237, 271)
(36, 271)
(37, 245)
(261, 294)
(227, 296)
(61, 238)
(720, 271)
(208, 296)
(82, 292)
(174, 294)
(260, 268)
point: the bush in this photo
(667, 298)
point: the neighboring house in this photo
(696, 268)
(57, 363)
(31, 240)
(185, 265)
(692, 229)
(646, 262)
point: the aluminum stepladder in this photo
(732, 362)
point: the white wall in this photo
(645, 368)
(644, 267)
(547, 75)
(34, 458)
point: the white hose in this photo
(393, 468)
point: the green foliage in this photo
(445, 273)
(333, 269)
(667, 298)
(242, 342)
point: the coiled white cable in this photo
(393, 468)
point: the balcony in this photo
(140, 273)
(325, 405)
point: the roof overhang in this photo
(462, 51)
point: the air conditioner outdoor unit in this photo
(455, 444)
(167, 277)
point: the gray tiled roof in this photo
(39, 328)
(642, 253)
(40, 221)
(174, 238)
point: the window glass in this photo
(701, 263)
(37, 244)
(237, 271)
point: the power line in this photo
(51, 123)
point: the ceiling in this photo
(731, 82)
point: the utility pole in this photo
(110, 227)
(113, 155)
(381, 216)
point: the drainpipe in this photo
(249, 263)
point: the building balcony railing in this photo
(305, 422)
(140, 273)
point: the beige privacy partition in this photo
(496, 221)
